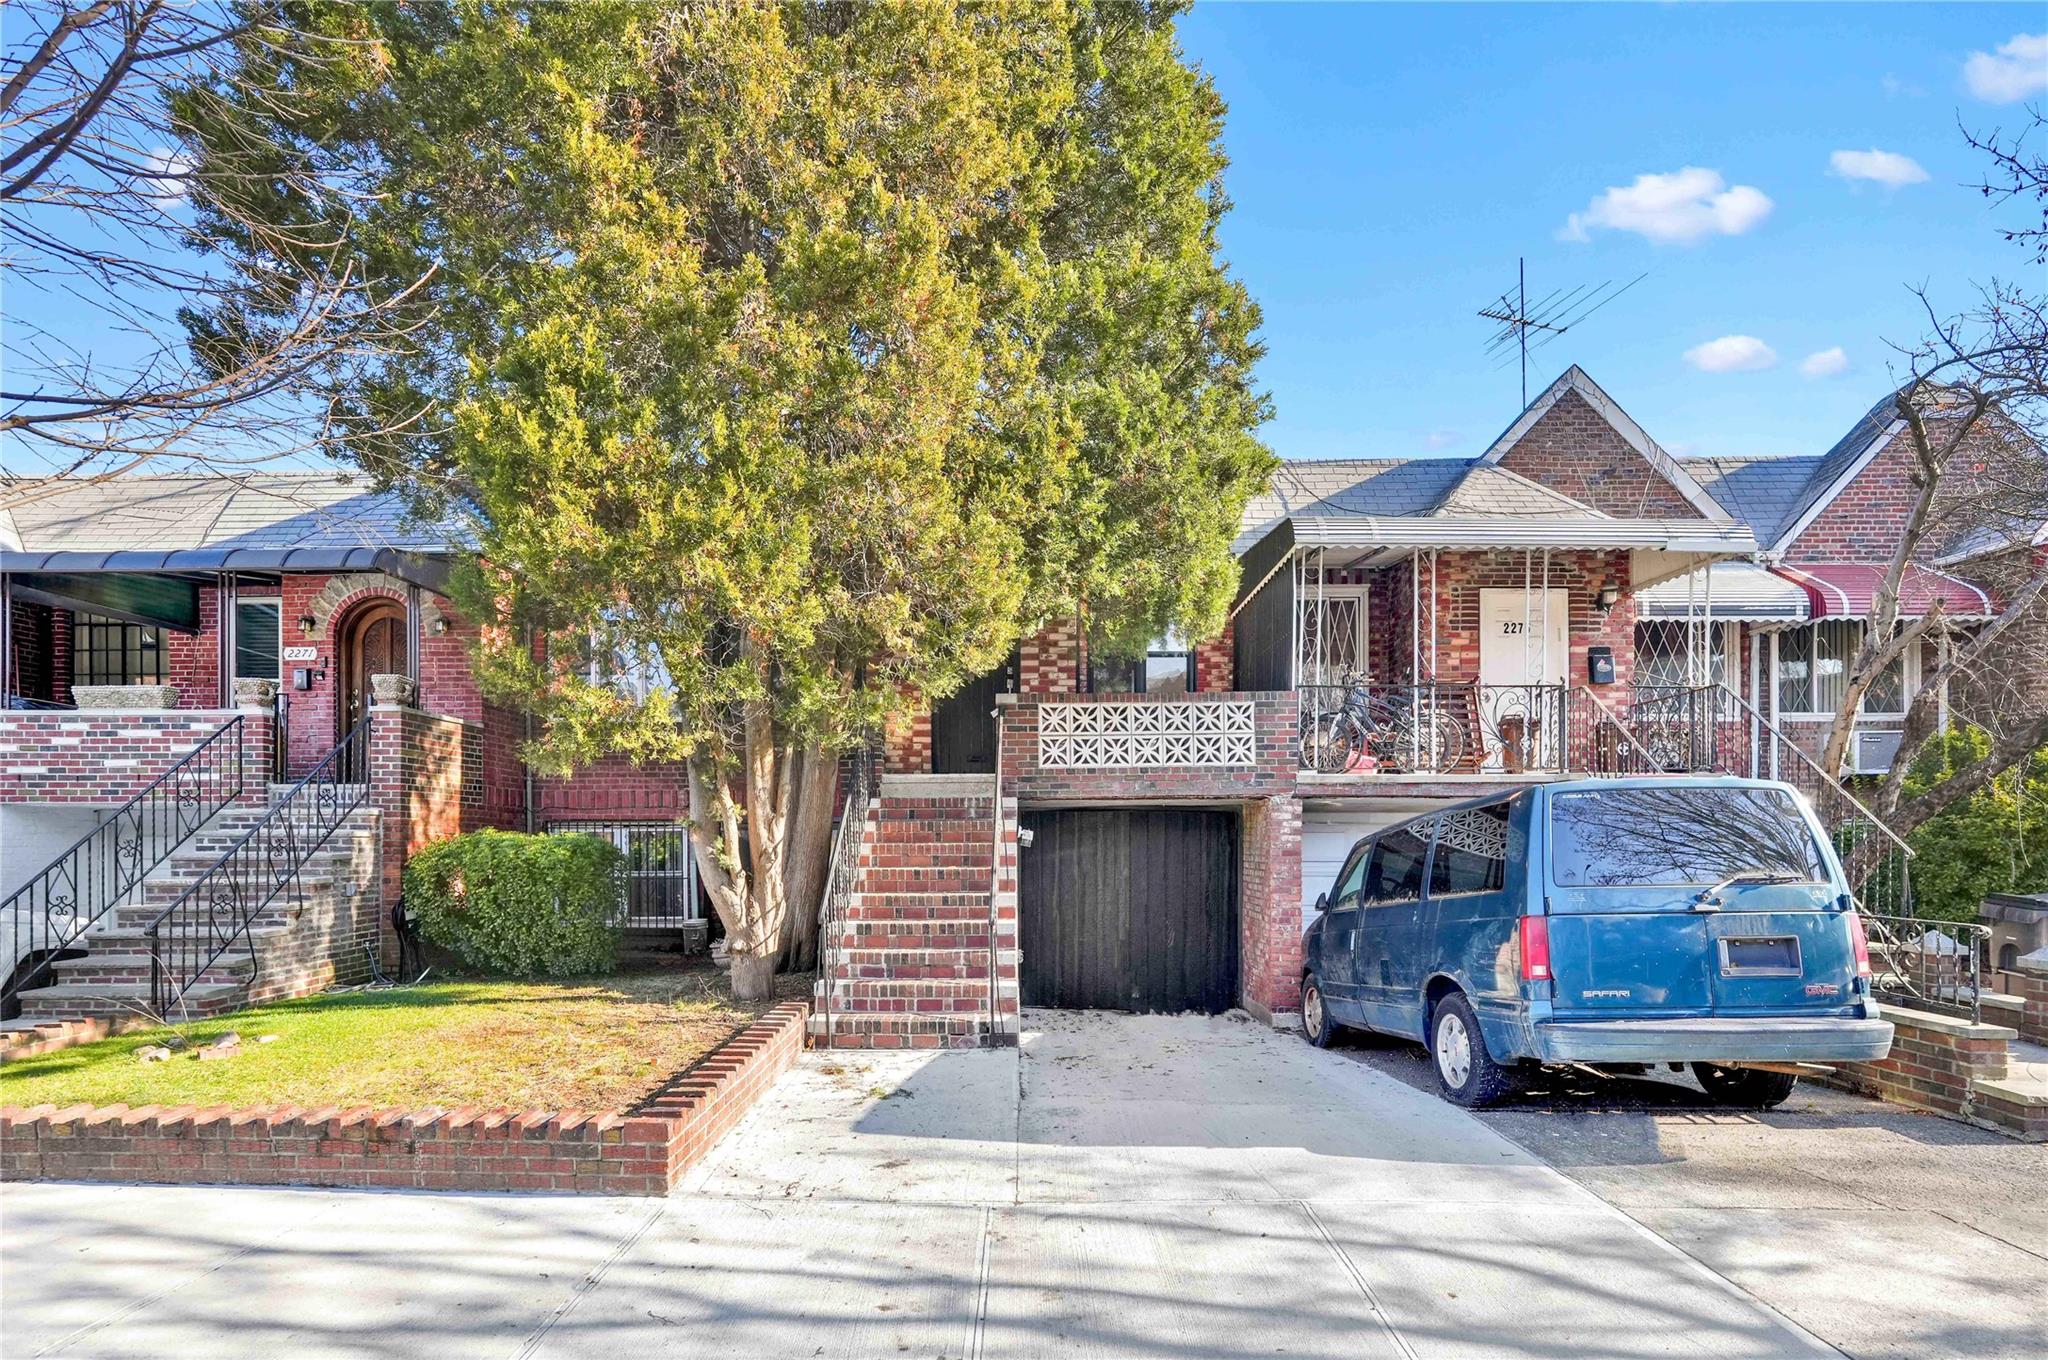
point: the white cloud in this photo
(1732, 354)
(2018, 70)
(1895, 88)
(1685, 206)
(1437, 440)
(1825, 363)
(165, 174)
(1888, 168)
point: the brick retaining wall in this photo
(1951, 1067)
(641, 1151)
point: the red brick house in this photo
(1075, 829)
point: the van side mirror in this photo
(1322, 901)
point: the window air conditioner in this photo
(1873, 752)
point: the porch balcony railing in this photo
(1927, 965)
(1435, 727)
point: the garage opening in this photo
(1129, 909)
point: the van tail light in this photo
(1862, 944)
(1535, 949)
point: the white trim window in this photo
(1813, 673)
(259, 636)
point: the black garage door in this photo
(1129, 910)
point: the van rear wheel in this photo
(1465, 1072)
(1746, 1088)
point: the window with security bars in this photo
(1331, 627)
(1813, 671)
(1666, 650)
(661, 875)
(108, 651)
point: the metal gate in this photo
(661, 875)
(1129, 910)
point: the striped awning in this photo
(1837, 590)
(1738, 591)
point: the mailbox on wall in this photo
(1600, 665)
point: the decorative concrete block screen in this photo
(1145, 735)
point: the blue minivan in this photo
(1617, 923)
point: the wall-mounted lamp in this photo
(439, 627)
(308, 625)
(1605, 598)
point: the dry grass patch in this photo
(597, 1043)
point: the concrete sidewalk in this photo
(1122, 1187)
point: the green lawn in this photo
(594, 1043)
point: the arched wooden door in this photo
(372, 642)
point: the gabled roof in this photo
(1576, 380)
(274, 518)
(1399, 489)
(1837, 467)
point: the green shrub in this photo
(519, 905)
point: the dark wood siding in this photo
(964, 726)
(1265, 636)
(1129, 909)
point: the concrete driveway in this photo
(1120, 1186)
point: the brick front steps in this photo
(906, 964)
(301, 943)
(641, 1151)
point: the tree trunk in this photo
(753, 977)
(809, 856)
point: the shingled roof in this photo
(258, 512)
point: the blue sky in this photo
(1389, 163)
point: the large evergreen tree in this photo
(794, 359)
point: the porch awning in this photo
(1847, 590)
(429, 571)
(1742, 591)
(156, 601)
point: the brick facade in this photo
(641, 1151)
(426, 775)
(105, 757)
(1573, 450)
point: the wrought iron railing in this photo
(1927, 965)
(218, 911)
(51, 911)
(839, 876)
(1363, 727)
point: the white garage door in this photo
(1328, 833)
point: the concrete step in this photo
(99, 1000)
(132, 967)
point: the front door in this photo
(964, 726)
(372, 642)
(1524, 657)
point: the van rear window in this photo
(1616, 837)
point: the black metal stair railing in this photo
(218, 911)
(844, 865)
(53, 910)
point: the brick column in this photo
(1269, 918)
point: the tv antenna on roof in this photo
(1550, 316)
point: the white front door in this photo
(1520, 725)
(1511, 638)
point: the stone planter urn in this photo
(125, 696)
(255, 693)
(393, 689)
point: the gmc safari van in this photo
(1616, 923)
